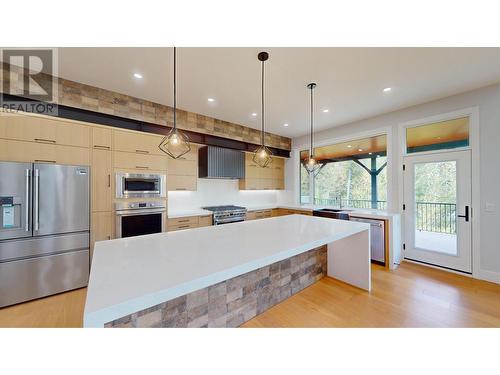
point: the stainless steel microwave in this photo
(138, 185)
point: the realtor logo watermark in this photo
(29, 77)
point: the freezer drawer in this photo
(39, 246)
(23, 280)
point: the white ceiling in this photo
(350, 80)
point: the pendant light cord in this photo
(312, 111)
(175, 90)
(262, 104)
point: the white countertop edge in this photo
(195, 212)
(97, 319)
(366, 213)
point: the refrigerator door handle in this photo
(36, 200)
(27, 205)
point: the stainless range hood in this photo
(218, 162)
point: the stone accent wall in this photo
(234, 301)
(79, 95)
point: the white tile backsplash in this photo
(213, 192)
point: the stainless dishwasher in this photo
(377, 238)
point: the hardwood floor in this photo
(61, 310)
(411, 296)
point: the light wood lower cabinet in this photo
(102, 170)
(205, 221)
(43, 153)
(188, 222)
(288, 211)
(259, 214)
(102, 228)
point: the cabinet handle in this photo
(102, 147)
(183, 226)
(109, 180)
(45, 140)
(180, 189)
(109, 237)
(142, 151)
(139, 167)
(44, 161)
(183, 221)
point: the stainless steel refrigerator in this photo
(44, 230)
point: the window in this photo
(305, 191)
(438, 136)
(352, 174)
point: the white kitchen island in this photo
(220, 275)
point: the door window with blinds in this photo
(352, 174)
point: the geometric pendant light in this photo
(262, 155)
(175, 143)
(310, 164)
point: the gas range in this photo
(227, 214)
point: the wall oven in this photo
(139, 218)
(138, 185)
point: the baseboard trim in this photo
(490, 276)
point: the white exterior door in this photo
(437, 209)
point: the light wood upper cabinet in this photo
(129, 160)
(44, 130)
(182, 167)
(181, 183)
(271, 177)
(102, 170)
(182, 173)
(102, 138)
(137, 143)
(34, 152)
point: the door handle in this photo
(466, 216)
(27, 205)
(109, 180)
(36, 198)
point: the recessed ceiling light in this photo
(349, 146)
(138, 75)
(370, 153)
(325, 110)
(211, 100)
(254, 114)
(387, 89)
(360, 149)
(285, 125)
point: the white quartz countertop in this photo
(185, 213)
(135, 273)
(367, 213)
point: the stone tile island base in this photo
(232, 302)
